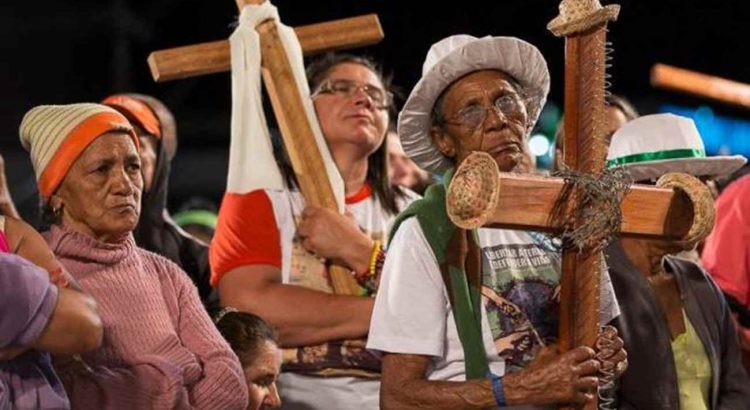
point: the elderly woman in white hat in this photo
(160, 348)
(673, 314)
(458, 331)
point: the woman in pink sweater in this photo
(160, 349)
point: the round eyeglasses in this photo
(474, 115)
(380, 98)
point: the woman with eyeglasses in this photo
(271, 252)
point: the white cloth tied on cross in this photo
(251, 162)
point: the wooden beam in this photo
(296, 131)
(298, 137)
(213, 57)
(701, 85)
(584, 151)
(526, 201)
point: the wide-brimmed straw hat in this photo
(452, 58)
(653, 145)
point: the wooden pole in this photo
(701, 85)
(298, 136)
(583, 151)
(583, 24)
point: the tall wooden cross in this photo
(583, 24)
(287, 103)
(526, 202)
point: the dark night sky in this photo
(71, 51)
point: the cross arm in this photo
(526, 201)
(213, 57)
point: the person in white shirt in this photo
(457, 334)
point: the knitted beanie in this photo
(56, 135)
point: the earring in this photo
(57, 205)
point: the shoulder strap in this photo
(457, 253)
(462, 277)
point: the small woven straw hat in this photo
(452, 58)
(473, 192)
(580, 15)
(653, 145)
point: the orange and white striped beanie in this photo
(56, 135)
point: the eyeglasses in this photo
(380, 98)
(474, 115)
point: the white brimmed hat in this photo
(452, 58)
(653, 145)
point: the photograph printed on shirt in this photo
(521, 293)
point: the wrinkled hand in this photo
(331, 235)
(611, 354)
(555, 378)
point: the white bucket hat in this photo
(452, 58)
(653, 145)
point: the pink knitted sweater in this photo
(160, 349)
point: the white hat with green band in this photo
(653, 145)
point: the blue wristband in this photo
(497, 389)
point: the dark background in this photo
(65, 51)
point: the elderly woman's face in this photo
(101, 194)
(347, 113)
(483, 112)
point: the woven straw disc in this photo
(473, 192)
(704, 212)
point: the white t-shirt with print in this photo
(260, 227)
(521, 272)
(369, 213)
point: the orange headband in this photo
(139, 111)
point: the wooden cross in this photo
(287, 103)
(526, 202)
(584, 150)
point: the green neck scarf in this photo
(458, 255)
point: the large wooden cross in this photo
(584, 149)
(526, 202)
(287, 103)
